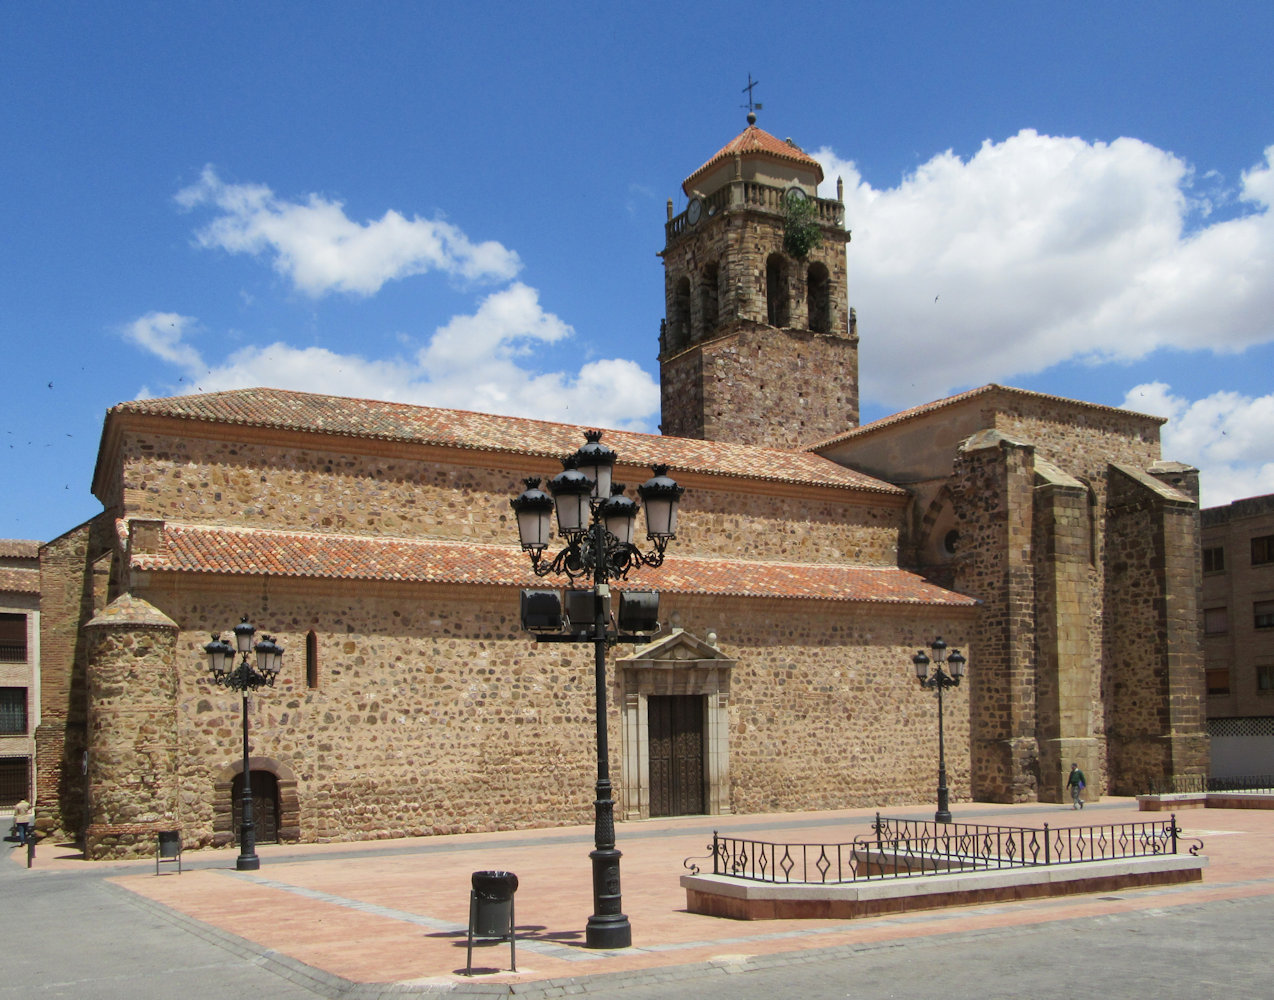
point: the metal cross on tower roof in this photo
(751, 105)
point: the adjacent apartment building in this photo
(19, 669)
(1238, 634)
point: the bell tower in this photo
(758, 344)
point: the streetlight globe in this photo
(571, 490)
(534, 510)
(220, 654)
(243, 633)
(596, 461)
(619, 514)
(661, 494)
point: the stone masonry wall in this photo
(825, 711)
(738, 244)
(133, 765)
(1068, 695)
(71, 591)
(765, 386)
(993, 491)
(681, 394)
(1082, 441)
(1153, 666)
(435, 713)
(743, 379)
(201, 481)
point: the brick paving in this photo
(396, 912)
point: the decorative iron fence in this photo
(1197, 784)
(902, 848)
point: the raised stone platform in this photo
(741, 899)
(1210, 800)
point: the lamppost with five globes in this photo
(244, 677)
(595, 521)
(939, 682)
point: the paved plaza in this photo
(389, 918)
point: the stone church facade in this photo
(1044, 537)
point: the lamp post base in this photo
(247, 863)
(607, 927)
(608, 932)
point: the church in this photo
(1048, 539)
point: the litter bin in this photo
(491, 912)
(168, 849)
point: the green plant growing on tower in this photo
(801, 231)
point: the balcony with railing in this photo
(755, 197)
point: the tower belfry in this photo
(757, 345)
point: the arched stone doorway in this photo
(275, 806)
(675, 696)
(265, 806)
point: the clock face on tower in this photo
(694, 211)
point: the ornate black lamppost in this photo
(939, 682)
(245, 677)
(596, 522)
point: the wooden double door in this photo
(677, 774)
(265, 806)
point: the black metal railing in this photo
(1196, 784)
(902, 848)
(757, 197)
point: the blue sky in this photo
(461, 205)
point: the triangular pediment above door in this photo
(679, 649)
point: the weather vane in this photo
(752, 106)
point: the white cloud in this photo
(479, 362)
(320, 249)
(162, 333)
(1225, 434)
(1039, 250)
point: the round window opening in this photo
(950, 541)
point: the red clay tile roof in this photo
(190, 548)
(940, 404)
(20, 581)
(756, 140)
(19, 548)
(462, 429)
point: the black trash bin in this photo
(168, 849)
(491, 912)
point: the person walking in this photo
(1076, 785)
(22, 820)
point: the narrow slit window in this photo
(311, 660)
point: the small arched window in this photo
(778, 306)
(818, 294)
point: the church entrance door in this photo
(676, 755)
(265, 806)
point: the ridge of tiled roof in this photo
(755, 140)
(190, 548)
(940, 404)
(471, 431)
